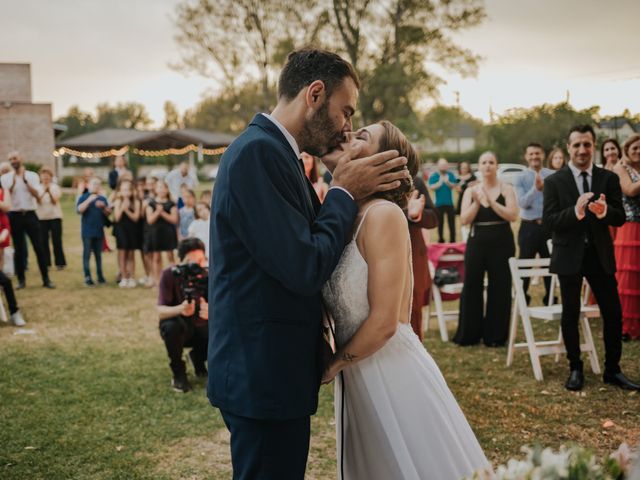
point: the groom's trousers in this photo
(268, 449)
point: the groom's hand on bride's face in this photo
(363, 177)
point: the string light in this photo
(106, 153)
(144, 153)
(178, 151)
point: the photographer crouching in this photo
(184, 312)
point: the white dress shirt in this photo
(577, 176)
(21, 198)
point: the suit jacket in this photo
(568, 233)
(273, 246)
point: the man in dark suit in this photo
(273, 247)
(581, 200)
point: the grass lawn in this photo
(84, 392)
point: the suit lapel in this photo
(269, 127)
(567, 176)
(597, 181)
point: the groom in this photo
(273, 247)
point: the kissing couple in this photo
(280, 255)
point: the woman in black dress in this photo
(162, 217)
(490, 207)
(126, 211)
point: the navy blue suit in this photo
(272, 248)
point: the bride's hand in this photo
(330, 373)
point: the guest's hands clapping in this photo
(581, 204)
(539, 182)
(415, 206)
(599, 207)
(478, 193)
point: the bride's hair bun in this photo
(394, 139)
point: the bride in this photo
(395, 416)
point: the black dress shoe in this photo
(21, 285)
(48, 284)
(619, 380)
(575, 381)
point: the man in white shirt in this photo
(180, 176)
(22, 190)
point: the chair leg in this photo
(442, 323)
(513, 330)
(533, 349)
(593, 354)
(3, 312)
(560, 341)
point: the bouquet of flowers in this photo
(569, 463)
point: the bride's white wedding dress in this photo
(395, 416)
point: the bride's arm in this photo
(385, 242)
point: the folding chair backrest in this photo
(526, 268)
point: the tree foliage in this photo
(122, 115)
(229, 112)
(172, 118)
(545, 124)
(393, 44)
(442, 122)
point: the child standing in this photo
(199, 228)
(94, 210)
(126, 211)
(162, 217)
(187, 213)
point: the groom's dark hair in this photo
(305, 66)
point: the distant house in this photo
(461, 138)
(619, 128)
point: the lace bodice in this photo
(346, 293)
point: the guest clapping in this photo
(556, 159)
(50, 216)
(489, 207)
(199, 228)
(580, 202)
(127, 209)
(532, 237)
(186, 213)
(94, 210)
(162, 217)
(610, 153)
(627, 241)
(442, 183)
(23, 187)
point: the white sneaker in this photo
(142, 281)
(124, 283)
(131, 283)
(17, 320)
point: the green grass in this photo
(87, 394)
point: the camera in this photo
(194, 281)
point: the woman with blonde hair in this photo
(556, 159)
(627, 240)
(489, 208)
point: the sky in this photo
(83, 52)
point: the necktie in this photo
(585, 183)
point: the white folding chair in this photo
(540, 267)
(440, 313)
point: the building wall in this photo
(15, 82)
(27, 127)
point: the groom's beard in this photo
(319, 135)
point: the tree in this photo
(442, 122)
(171, 116)
(412, 37)
(545, 124)
(77, 122)
(122, 115)
(229, 112)
(233, 40)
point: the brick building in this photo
(24, 125)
